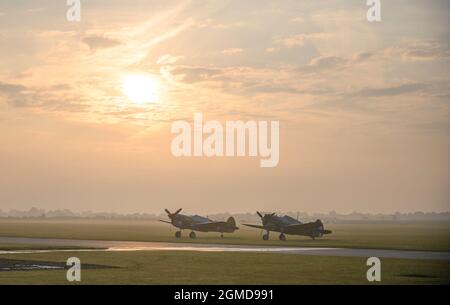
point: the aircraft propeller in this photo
(172, 215)
(266, 218)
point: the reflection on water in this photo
(18, 267)
(120, 246)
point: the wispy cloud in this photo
(329, 63)
(300, 39)
(232, 51)
(419, 51)
(100, 42)
(11, 88)
(392, 90)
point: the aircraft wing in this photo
(165, 221)
(209, 226)
(295, 226)
(303, 228)
(254, 226)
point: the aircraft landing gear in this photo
(282, 237)
(192, 235)
(178, 234)
(266, 236)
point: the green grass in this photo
(165, 267)
(415, 236)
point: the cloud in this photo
(360, 57)
(300, 39)
(298, 19)
(327, 63)
(36, 10)
(196, 74)
(61, 87)
(267, 87)
(324, 63)
(245, 81)
(11, 88)
(270, 88)
(168, 59)
(330, 63)
(100, 42)
(47, 101)
(53, 98)
(392, 90)
(271, 50)
(232, 51)
(223, 26)
(420, 51)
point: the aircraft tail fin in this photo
(231, 222)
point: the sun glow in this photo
(141, 89)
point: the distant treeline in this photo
(331, 217)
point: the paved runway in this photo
(153, 246)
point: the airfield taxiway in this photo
(103, 245)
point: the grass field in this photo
(165, 267)
(416, 236)
(174, 267)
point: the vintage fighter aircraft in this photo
(289, 225)
(199, 223)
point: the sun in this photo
(141, 89)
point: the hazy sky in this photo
(363, 107)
